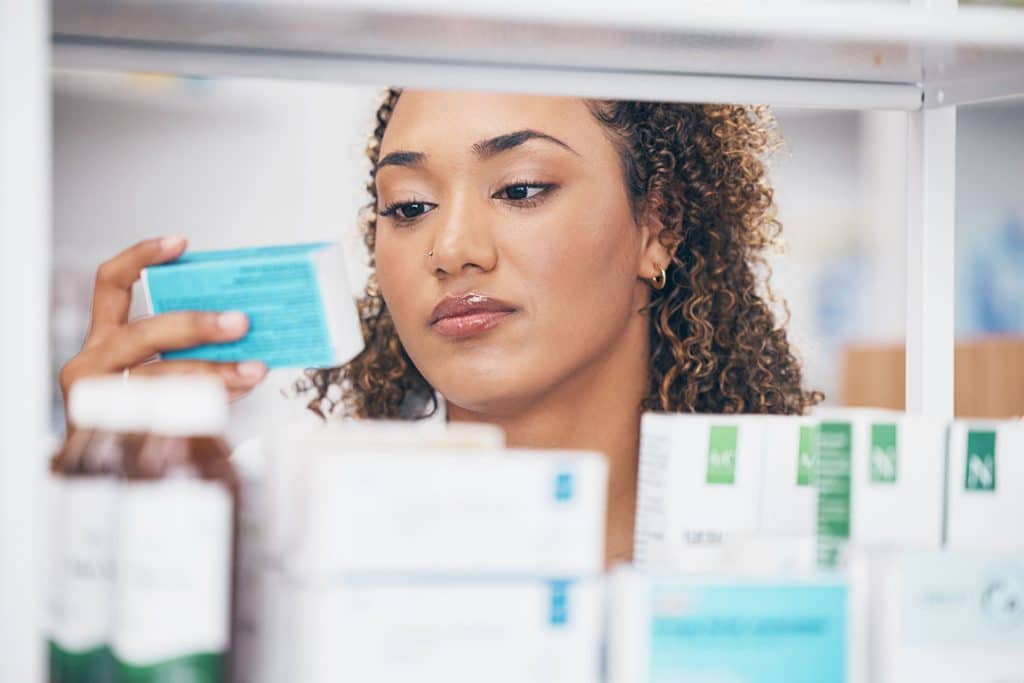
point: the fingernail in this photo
(232, 322)
(172, 243)
(252, 369)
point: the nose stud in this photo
(430, 253)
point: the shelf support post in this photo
(931, 195)
(24, 311)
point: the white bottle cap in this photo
(186, 406)
(90, 398)
(110, 403)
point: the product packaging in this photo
(948, 617)
(985, 494)
(447, 629)
(456, 554)
(880, 481)
(665, 628)
(273, 468)
(521, 511)
(726, 493)
(301, 312)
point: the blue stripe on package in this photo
(301, 312)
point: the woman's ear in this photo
(653, 256)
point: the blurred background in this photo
(245, 162)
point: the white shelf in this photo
(844, 55)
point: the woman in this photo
(555, 266)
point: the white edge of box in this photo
(148, 296)
(628, 614)
(341, 315)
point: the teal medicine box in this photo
(301, 312)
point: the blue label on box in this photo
(276, 287)
(559, 612)
(768, 633)
(563, 486)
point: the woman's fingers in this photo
(114, 279)
(238, 378)
(142, 339)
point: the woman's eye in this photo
(520, 192)
(412, 210)
(407, 211)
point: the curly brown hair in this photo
(715, 344)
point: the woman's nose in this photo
(463, 240)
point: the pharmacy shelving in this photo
(924, 58)
(827, 55)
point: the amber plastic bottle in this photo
(178, 503)
(106, 421)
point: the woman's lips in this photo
(468, 315)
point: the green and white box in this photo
(986, 486)
(789, 497)
(446, 629)
(725, 492)
(880, 480)
(699, 485)
(949, 617)
(665, 628)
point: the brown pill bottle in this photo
(106, 424)
(176, 540)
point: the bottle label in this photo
(82, 585)
(174, 581)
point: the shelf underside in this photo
(860, 56)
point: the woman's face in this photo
(506, 249)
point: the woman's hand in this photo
(114, 344)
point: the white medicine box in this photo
(880, 480)
(986, 486)
(712, 484)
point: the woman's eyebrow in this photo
(502, 143)
(402, 158)
(484, 149)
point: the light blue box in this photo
(711, 629)
(301, 312)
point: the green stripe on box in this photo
(834, 448)
(199, 668)
(87, 666)
(807, 456)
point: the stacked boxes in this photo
(393, 563)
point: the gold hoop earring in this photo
(660, 280)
